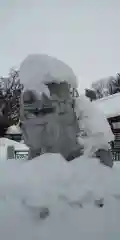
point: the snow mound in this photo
(48, 177)
(93, 121)
(70, 191)
(38, 69)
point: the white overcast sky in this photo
(83, 33)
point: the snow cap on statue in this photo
(37, 70)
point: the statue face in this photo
(35, 115)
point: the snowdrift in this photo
(71, 191)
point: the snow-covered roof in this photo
(38, 69)
(13, 130)
(17, 145)
(110, 105)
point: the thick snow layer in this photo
(93, 121)
(71, 192)
(38, 69)
(14, 129)
(109, 105)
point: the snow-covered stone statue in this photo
(49, 122)
(49, 114)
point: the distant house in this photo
(110, 105)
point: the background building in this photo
(110, 105)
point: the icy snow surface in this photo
(68, 190)
(38, 69)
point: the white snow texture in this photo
(70, 190)
(93, 121)
(38, 69)
(14, 129)
(109, 105)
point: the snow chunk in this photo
(38, 69)
(93, 121)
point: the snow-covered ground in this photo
(71, 191)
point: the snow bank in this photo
(38, 69)
(93, 121)
(70, 191)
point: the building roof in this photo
(110, 105)
(13, 130)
